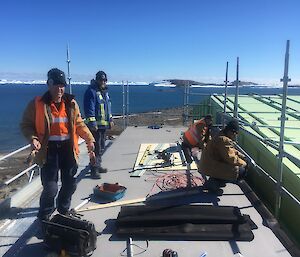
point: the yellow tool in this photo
(147, 151)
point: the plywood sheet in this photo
(148, 158)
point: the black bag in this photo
(70, 233)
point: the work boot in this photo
(63, 212)
(95, 173)
(71, 212)
(211, 185)
(102, 170)
(221, 182)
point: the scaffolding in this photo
(281, 108)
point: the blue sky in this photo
(147, 40)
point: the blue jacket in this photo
(97, 107)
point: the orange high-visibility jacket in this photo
(36, 123)
(196, 133)
(59, 129)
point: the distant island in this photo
(183, 82)
(161, 83)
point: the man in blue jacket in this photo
(97, 109)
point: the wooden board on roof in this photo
(148, 159)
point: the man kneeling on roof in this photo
(197, 136)
(220, 160)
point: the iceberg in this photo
(162, 83)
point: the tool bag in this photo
(70, 233)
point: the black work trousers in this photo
(59, 157)
(99, 136)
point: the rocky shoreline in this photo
(170, 116)
(15, 164)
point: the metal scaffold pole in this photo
(187, 101)
(236, 97)
(127, 104)
(185, 105)
(225, 94)
(285, 81)
(68, 62)
(123, 109)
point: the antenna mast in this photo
(68, 62)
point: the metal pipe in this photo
(285, 81)
(246, 112)
(265, 126)
(14, 152)
(129, 247)
(123, 110)
(293, 100)
(20, 174)
(290, 195)
(127, 104)
(275, 104)
(267, 174)
(293, 159)
(236, 90)
(267, 142)
(284, 142)
(187, 99)
(201, 94)
(270, 143)
(184, 103)
(225, 93)
(31, 176)
(264, 140)
(68, 62)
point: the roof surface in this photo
(18, 237)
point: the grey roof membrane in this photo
(19, 237)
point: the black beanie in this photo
(56, 77)
(101, 75)
(233, 126)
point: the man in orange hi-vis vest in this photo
(52, 124)
(198, 134)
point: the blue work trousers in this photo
(59, 157)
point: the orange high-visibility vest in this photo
(59, 123)
(193, 135)
(59, 127)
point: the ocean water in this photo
(14, 98)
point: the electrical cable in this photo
(174, 181)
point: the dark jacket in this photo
(94, 114)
